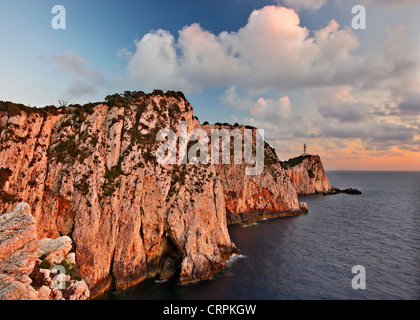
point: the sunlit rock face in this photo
(90, 173)
(307, 175)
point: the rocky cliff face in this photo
(25, 262)
(90, 172)
(18, 253)
(307, 175)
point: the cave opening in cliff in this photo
(165, 263)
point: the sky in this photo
(295, 68)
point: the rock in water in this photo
(335, 190)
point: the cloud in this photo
(382, 107)
(344, 111)
(84, 80)
(124, 53)
(391, 2)
(277, 119)
(372, 100)
(275, 116)
(231, 98)
(79, 88)
(410, 104)
(154, 63)
(310, 5)
(376, 134)
(271, 110)
(314, 5)
(207, 58)
(396, 67)
(205, 61)
(340, 104)
(272, 51)
(70, 62)
(373, 133)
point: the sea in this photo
(348, 247)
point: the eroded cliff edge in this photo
(307, 174)
(89, 172)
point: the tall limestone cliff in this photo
(90, 172)
(307, 174)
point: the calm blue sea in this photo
(311, 256)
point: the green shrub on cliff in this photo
(116, 100)
(13, 109)
(45, 264)
(109, 186)
(293, 162)
(65, 150)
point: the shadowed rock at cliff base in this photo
(90, 172)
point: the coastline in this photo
(250, 218)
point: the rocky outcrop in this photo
(23, 276)
(335, 190)
(307, 174)
(90, 173)
(249, 198)
(55, 250)
(12, 289)
(18, 253)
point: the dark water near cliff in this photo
(311, 256)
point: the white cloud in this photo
(357, 97)
(272, 51)
(314, 5)
(154, 63)
(272, 110)
(206, 58)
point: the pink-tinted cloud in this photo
(271, 51)
(272, 110)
